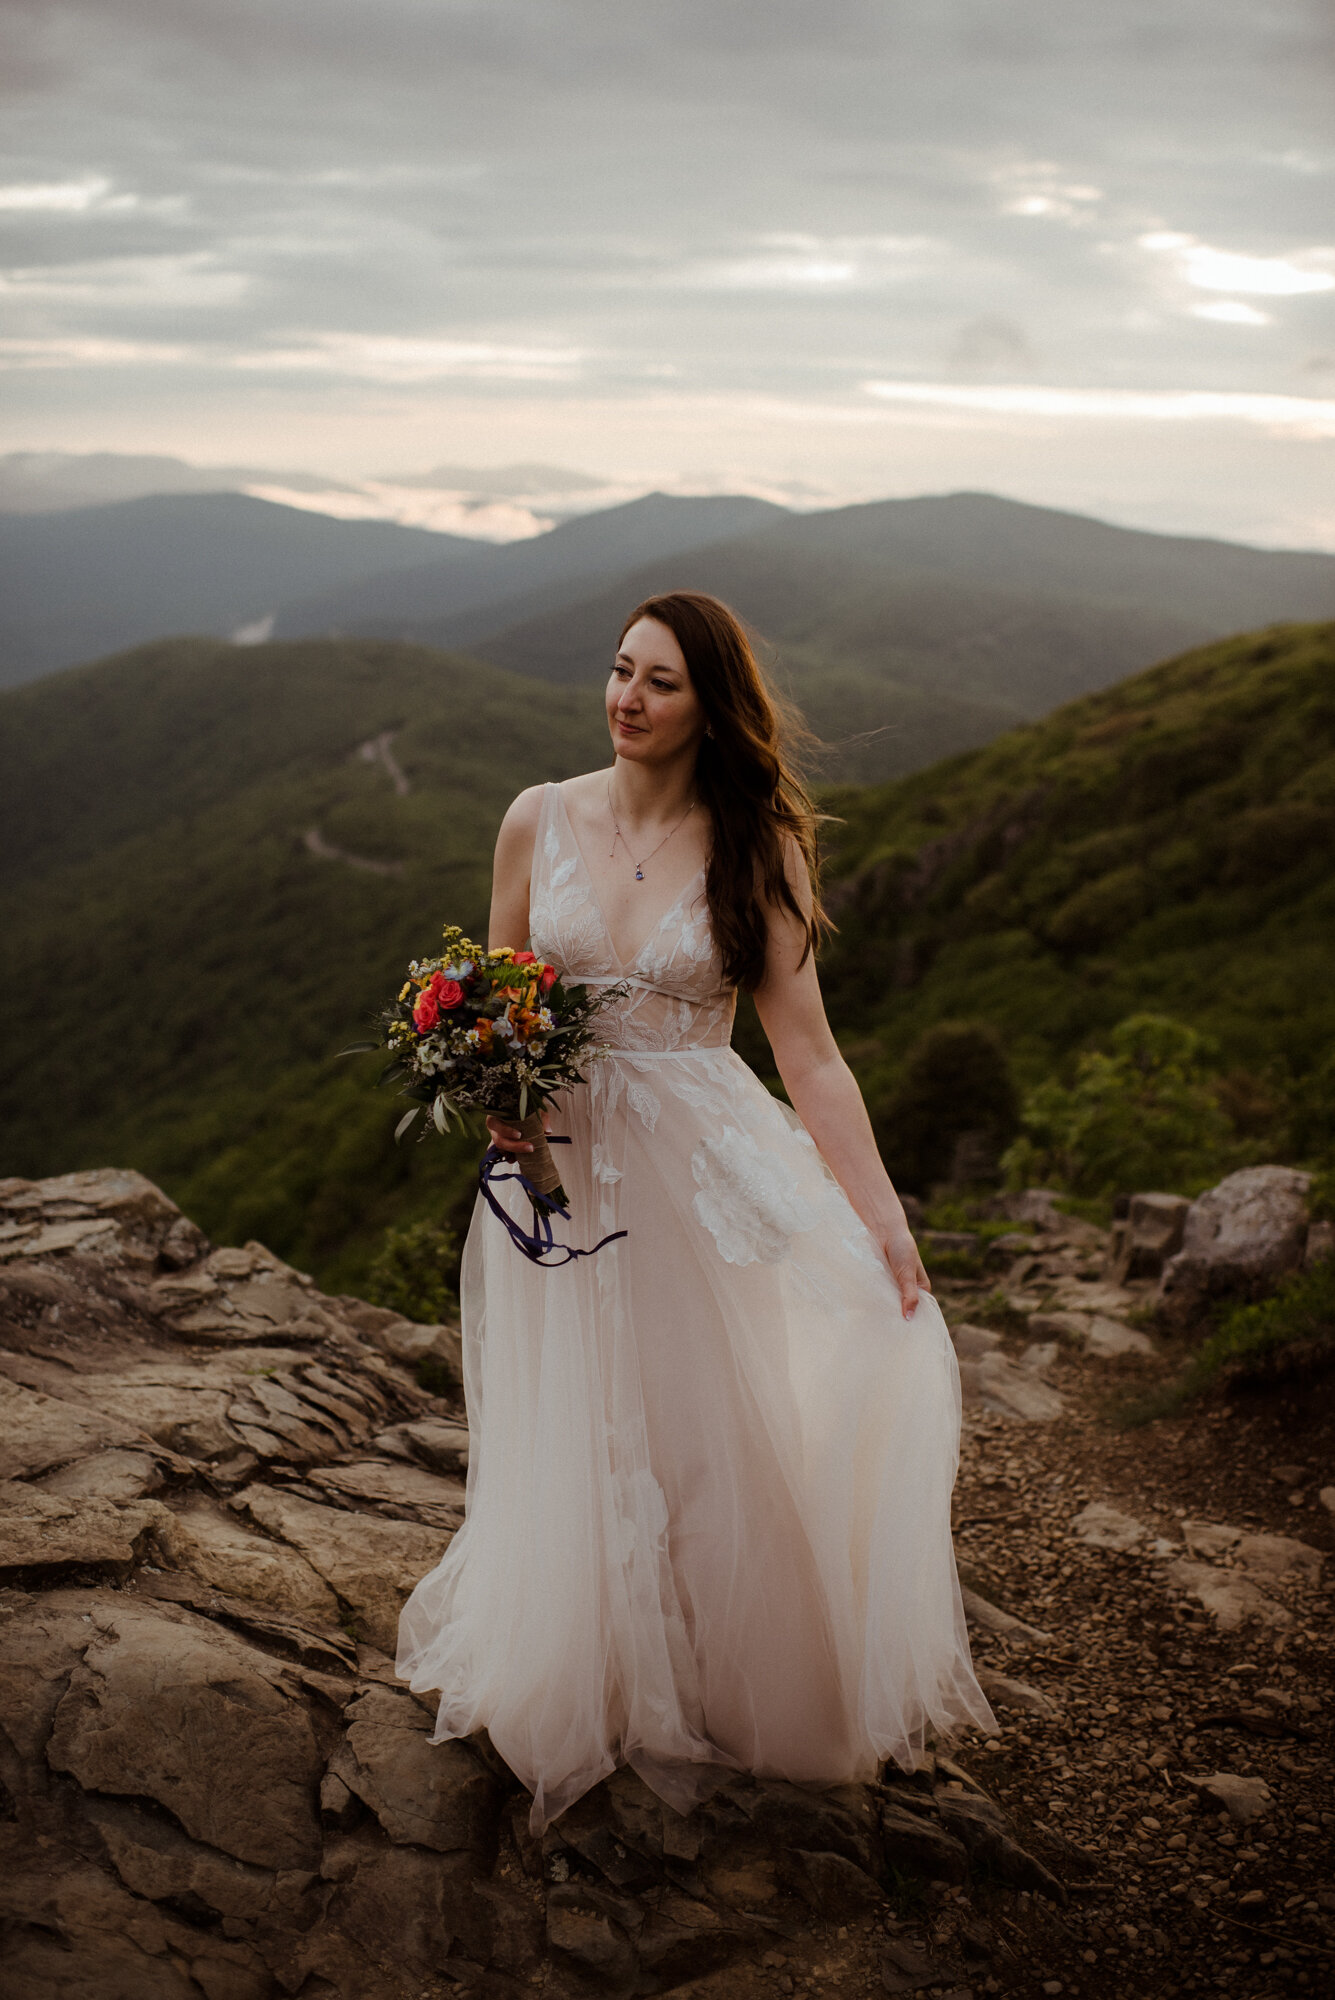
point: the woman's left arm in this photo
(824, 1094)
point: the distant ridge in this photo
(78, 584)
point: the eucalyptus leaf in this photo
(359, 1048)
(405, 1122)
(438, 1115)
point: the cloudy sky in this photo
(1077, 251)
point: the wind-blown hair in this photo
(756, 799)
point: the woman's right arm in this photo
(511, 870)
(509, 912)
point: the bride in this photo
(708, 1516)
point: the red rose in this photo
(426, 1013)
(548, 979)
(449, 993)
(525, 958)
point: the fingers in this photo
(507, 1138)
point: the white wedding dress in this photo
(708, 1513)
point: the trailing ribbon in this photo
(540, 1244)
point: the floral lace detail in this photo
(677, 998)
(747, 1202)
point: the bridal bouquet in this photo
(494, 1031)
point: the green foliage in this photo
(953, 1112)
(416, 1272)
(154, 811)
(1166, 846)
(1293, 1329)
(1144, 1115)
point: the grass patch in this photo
(1291, 1333)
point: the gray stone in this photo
(1150, 1235)
(973, 1342)
(1279, 1556)
(991, 1618)
(43, 1531)
(1243, 1799)
(441, 1447)
(1230, 1600)
(437, 1795)
(1107, 1527)
(166, 1706)
(1241, 1237)
(998, 1384)
(1110, 1339)
(369, 1563)
(1003, 1692)
(112, 1476)
(439, 1502)
(209, 1542)
(39, 1431)
(1209, 1538)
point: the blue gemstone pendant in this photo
(639, 874)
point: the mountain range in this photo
(215, 862)
(906, 629)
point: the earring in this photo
(709, 731)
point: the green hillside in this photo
(212, 874)
(181, 965)
(1167, 844)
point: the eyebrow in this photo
(659, 666)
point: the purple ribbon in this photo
(540, 1244)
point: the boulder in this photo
(369, 1563)
(1000, 1384)
(1239, 1240)
(404, 1489)
(209, 1542)
(1149, 1234)
(157, 1685)
(1277, 1556)
(1105, 1527)
(43, 1531)
(1230, 1600)
(436, 1795)
(39, 1431)
(440, 1447)
(1243, 1799)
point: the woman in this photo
(708, 1521)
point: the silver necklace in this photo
(618, 835)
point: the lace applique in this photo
(644, 1101)
(746, 1201)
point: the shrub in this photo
(954, 1111)
(415, 1273)
(1294, 1328)
(1144, 1116)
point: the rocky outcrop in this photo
(1239, 1239)
(1147, 1236)
(216, 1487)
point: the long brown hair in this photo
(756, 799)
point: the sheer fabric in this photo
(708, 1511)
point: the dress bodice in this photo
(678, 996)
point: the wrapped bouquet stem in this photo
(493, 1031)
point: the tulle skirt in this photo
(708, 1514)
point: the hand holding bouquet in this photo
(495, 1031)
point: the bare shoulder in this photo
(589, 789)
(522, 815)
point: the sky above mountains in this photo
(1075, 253)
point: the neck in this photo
(645, 794)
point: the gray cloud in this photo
(275, 199)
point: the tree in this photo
(1144, 1116)
(953, 1112)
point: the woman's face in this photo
(653, 711)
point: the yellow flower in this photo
(407, 989)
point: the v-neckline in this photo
(626, 965)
